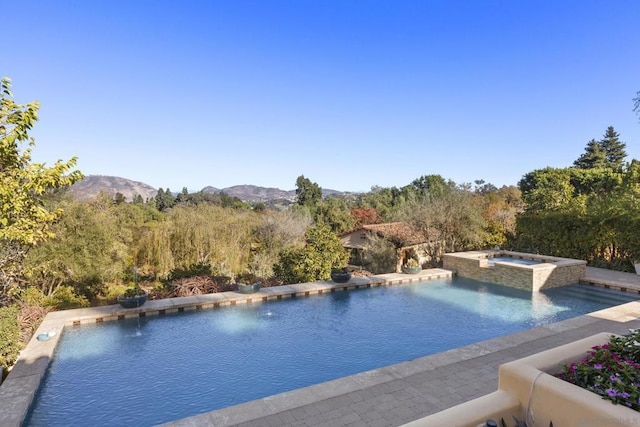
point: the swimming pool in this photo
(175, 366)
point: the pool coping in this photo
(21, 385)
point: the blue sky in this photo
(351, 94)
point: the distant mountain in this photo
(92, 185)
(253, 193)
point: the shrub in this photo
(610, 370)
(322, 251)
(64, 298)
(9, 338)
(32, 296)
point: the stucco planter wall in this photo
(559, 401)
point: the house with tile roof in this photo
(408, 242)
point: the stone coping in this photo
(21, 385)
(493, 253)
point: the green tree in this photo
(594, 156)
(307, 193)
(432, 184)
(314, 261)
(385, 200)
(183, 196)
(614, 148)
(94, 245)
(336, 213)
(164, 200)
(24, 220)
(119, 198)
(547, 189)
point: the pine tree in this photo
(614, 148)
(594, 156)
(608, 152)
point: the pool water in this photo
(158, 369)
(492, 261)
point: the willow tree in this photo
(24, 219)
(197, 236)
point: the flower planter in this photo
(132, 302)
(411, 270)
(530, 382)
(245, 288)
(341, 277)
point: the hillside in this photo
(92, 185)
(253, 193)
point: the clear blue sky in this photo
(349, 93)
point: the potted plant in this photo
(248, 288)
(247, 283)
(411, 267)
(340, 275)
(134, 296)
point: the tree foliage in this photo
(609, 152)
(588, 212)
(594, 156)
(614, 148)
(197, 235)
(9, 338)
(313, 261)
(307, 193)
(335, 212)
(24, 220)
(449, 222)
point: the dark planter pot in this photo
(341, 277)
(132, 302)
(248, 288)
(411, 270)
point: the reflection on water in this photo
(238, 321)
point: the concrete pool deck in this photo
(389, 396)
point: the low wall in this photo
(550, 272)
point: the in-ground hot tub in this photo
(520, 270)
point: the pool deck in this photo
(389, 396)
